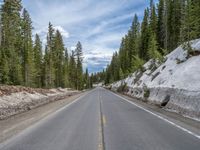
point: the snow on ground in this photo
(14, 100)
(175, 83)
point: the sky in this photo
(98, 24)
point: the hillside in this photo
(173, 84)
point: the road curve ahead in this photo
(100, 120)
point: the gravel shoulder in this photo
(15, 124)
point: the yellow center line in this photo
(104, 120)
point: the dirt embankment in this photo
(17, 99)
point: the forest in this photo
(165, 25)
(25, 61)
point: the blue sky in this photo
(98, 24)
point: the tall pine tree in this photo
(10, 64)
(38, 61)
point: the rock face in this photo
(174, 84)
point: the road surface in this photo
(100, 120)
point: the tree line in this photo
(23, 60)
(165, 25)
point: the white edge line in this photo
(6, 142)
(73, 101)
(160, 117)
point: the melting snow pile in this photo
(175, 84)
(16, 99)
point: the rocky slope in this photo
(173, 84)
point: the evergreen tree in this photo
(161, 26)
(190, 28)
(72, 71)
(122, 55)
(121, 75)
(144, 36)
(79, 61)
(58, 59)
(48, 59)
(137, 63)
(11, 42)
(134, 41)
(38, 61)
(153, 48)
(27, 50)
(196, 19)
(87, 79)
(66, 69)
(153, 18)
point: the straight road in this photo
(100, 120)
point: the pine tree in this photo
(144, 36)
(137, 63)
(58, 59)
(66, 69)
(38, 61)
(161, 26)
(153, 22)
(72, 71)
(48, 59)
(196, 18)
(27, 50)
(122, 55)
(121, 75)
(87, 79)
(153, 49)
(174, 16)
(11, 42)
(127, 49)
(134, 41)
(186, 27)
(191, 22)
(79, 61)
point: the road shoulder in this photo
(184, 122)
(17, 123)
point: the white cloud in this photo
(64, 33)
(98, 24)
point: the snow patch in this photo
(176, 80)
(17, 102)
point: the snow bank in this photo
(23, 99)
(174, 84)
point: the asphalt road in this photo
(101, 120)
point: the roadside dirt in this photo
(17, 123)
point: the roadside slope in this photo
(17, 99)
(174, 84)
